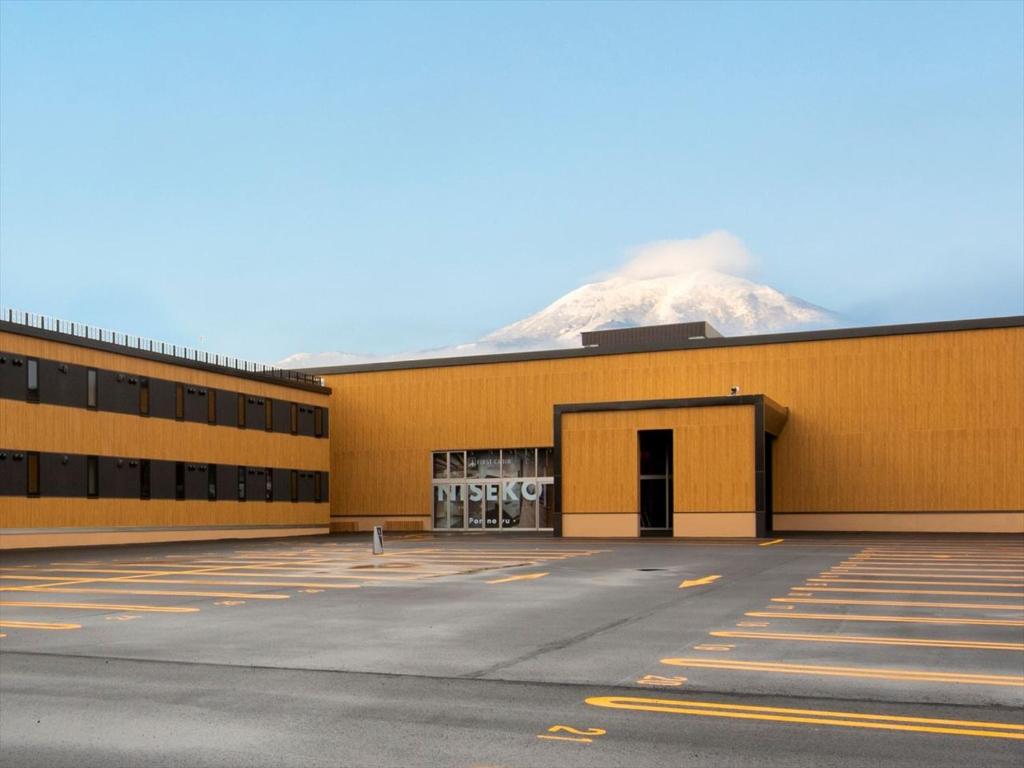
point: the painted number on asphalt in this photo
(584, 736)
(661, 680)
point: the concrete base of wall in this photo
(351, 524)
(613, 525)
(697, 525)
(71, 537)
(916, 522)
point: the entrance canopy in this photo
(716, 454)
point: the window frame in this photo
(92, 477)
(32, 379)
(92, 389)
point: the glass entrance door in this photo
(655, 448)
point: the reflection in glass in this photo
(488, 463)
(529, 462)
(475, 518)
(527, 514)
(441, 465)
(457, 464)
(492, 492)
(543, 518)
(511, 510)
(545, 463)
(440, 508)
(457, 513)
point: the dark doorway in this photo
(655, 447)
(769, 446)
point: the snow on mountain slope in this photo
(670, 281)
(734, 305)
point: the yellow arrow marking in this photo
(698, 582)
(521, 577)
(814, 717)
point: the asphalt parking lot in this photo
(516, 651)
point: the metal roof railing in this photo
(95, 333)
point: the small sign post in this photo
(378, 540)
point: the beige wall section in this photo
(99, 538)
(713, 469)
(919, 422)
(602, 525)
(23, 512)
(111, 361)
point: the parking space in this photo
(575, 652)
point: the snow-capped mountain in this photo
(734, 305)
(670, 281)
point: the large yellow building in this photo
(667, 430)
(898, 428)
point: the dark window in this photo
(90, 396)
(318, 422)
(92, 474)
(211, 482)
(144, 397)
(32, 380)
(295, 484)
(318, 487)
(144, 479)
(32, 467)
(211, 406)
(179, 401)
(295, 418)
(241, 483)
(270, 484)
(268, 415)
(241, 411)
(179, 480)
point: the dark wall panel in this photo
(282, 416)
(227, 482)
(161, 398)
(13, 473)
(114, 395)
(306, 420)
(282, 485)
(195, 481)
(161, 479)
(195, 404)
(256, 484)
(227, 408)
(62, 384)
(325, 486)
(118, 478)
(13, 379)
(57, 478)
(254, 418)
(306, 486)
(327, 424)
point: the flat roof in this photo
(1012, 321)
(294, 378)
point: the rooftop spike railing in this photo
(95, 333)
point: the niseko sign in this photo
(510, 490)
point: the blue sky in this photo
(384, 177)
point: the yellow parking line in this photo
(885, 619)
(1015, 579)
(521, 577)
(868, 640)
(909, 591)
(11, 624)
(951, 570)
(811, 716)
(770, 543)
(903, 603)
(919, 676)
(162, 592)
(828, 580)
(235, 583)
(100, 607)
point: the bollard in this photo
(378, 540)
